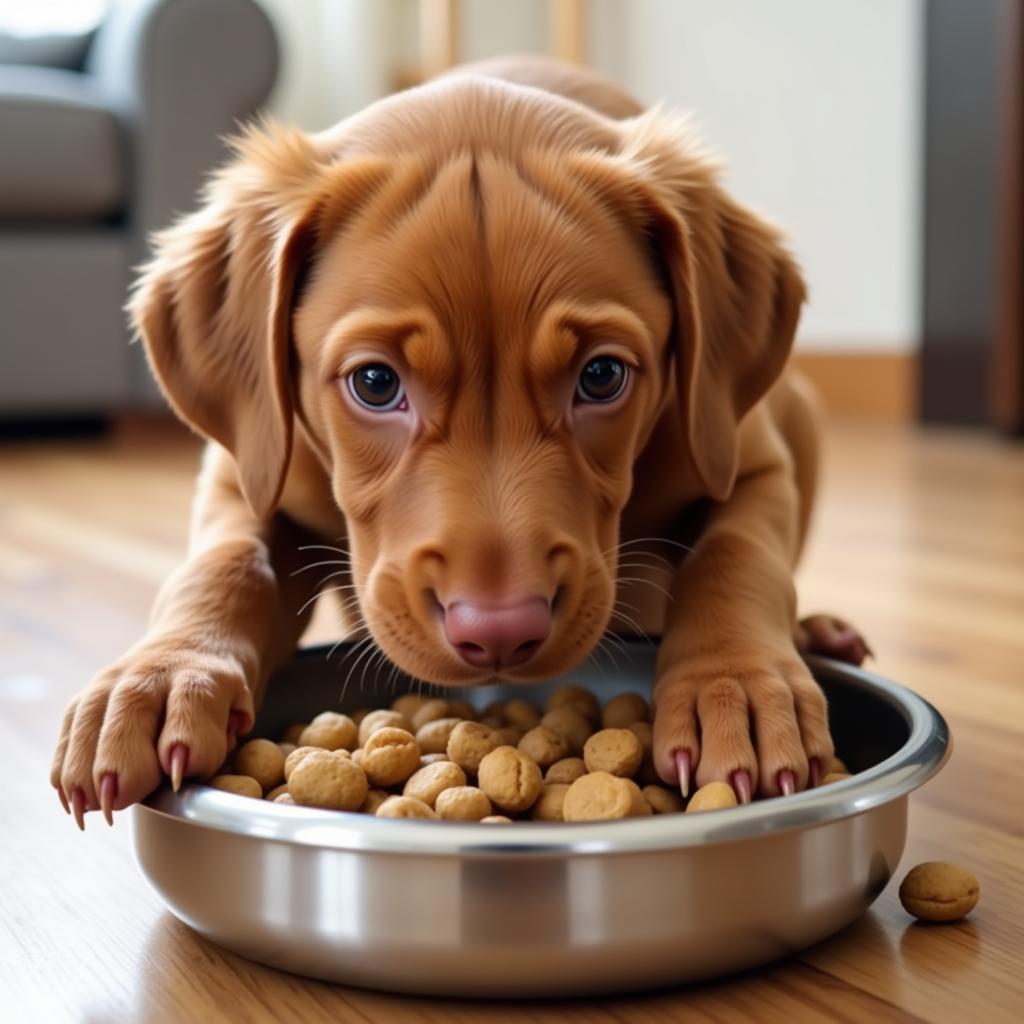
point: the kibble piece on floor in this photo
(520, 712)
(598, 796)
(287, 748)
(544, 745)
(616, 751)
(262, 760)
(284, 798)
(568, 770)
(277, 791)
(330, 731)
(374, 798)
(357, 756)
(429, 782)
(463, 803)
(714, 796)
(621, 711)
(469, 743)
(433, 737)
(462, 709)
(329, 781)
(935, 891)
(579, 698)
(550, 802)
(511, 779)
(408, 704)
(243, 785)
(426, 759)
(381, 719)
(293, 732)
(404, 807)
(390, 756)
(572, 724)
(297, 756)
(662, 800)
(495, 819)
(430, 711)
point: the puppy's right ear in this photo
(214, 305)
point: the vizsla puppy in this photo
(508, 337)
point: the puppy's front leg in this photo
(173, 704)
(733, 699)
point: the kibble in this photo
(935, 891)
(427, 783)
(329, 781)
(243, 785)
(712, 797)
(261, 760)
(390, 756)
(463, 803)
(436, 759)
(469, 743)
(616, 751)
(511, 779)
(544, 745)
(331, 731)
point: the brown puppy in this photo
(515, 344)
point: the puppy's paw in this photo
(758, 722)
(164, 709)
(832, 637)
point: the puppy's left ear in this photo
(736, 290)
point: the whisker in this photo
(629, 580)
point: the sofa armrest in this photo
(180, 74)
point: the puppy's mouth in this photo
(420, 641)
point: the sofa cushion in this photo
(51, 49)
(62, 154)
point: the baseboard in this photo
(874, 385)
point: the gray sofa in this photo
(103, 138)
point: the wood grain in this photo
(918, 540)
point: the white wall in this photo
(816, 105)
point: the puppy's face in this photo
(481, 363)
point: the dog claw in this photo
(683, 766)
(741, 784)
(179, 762)
(787, 782)
(108, 794)
(78, 803)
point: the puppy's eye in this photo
(601, 380)
(376, 386)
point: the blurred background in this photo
(884, 134)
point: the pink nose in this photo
(491, 636)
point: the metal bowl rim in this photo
(923, 754)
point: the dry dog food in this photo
(435, 759)
(934, 891)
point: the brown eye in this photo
(601, 380)
(376, 386)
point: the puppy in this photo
(506, 336)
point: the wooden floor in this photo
(920, 540)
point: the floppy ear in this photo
(214, 305)
(736, 290)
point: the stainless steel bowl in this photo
(542, 909)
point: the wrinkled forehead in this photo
(487, 248)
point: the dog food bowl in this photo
(537, 909)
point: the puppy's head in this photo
(478, 338)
